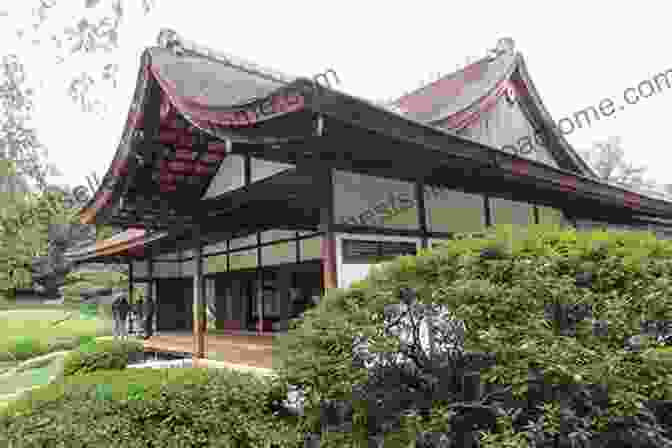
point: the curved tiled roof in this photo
(201, 93)
(458, 99)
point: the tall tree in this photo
(18, 140)
(95, 29)
(24, 223)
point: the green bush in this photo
(503, 299)
(150, 408)
(100, 355)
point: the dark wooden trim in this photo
(327, 221)
(298, 247)
(199, 299)
(130, 281)
(487, 210)
(255, 246)
(441, 235)
(247, 166)
(422, 211)
(344, 228)
(228, 257)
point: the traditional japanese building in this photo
(255, 191)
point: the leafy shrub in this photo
(150, 408)
(557, 309)
(100, 355)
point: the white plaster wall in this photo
(503, 126)
(230, 176)
(262, 169)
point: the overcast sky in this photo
(577, 52)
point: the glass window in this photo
(277, 234)
(505, 211)
(140, 269)
(211, 248)
(453, 211)
(213, 264)
(373, 201)
(311, 248)
(243, 259)
(278, 253)
(250, 240)
(164, 270)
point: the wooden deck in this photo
(246, 350)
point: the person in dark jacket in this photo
(148, 317)
(120, 309)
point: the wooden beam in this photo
(199, 300)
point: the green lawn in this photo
(25, 333)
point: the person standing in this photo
(123, 308)
(115, 319)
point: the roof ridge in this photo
(171, 40)
(442, 78)
(504, 46)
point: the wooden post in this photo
(199, 302)
(422, 213)
(130, 295)
(150, 306)
(329, 261)
(130, 281)
(284, 284)
(259, 290)
(260, 302)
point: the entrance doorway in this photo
(174, 309)
(243, 298)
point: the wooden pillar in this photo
(259, 290)
(422, 214)
(199, 301)
(283, 286)
(324, 177)
(150, 307)
(329, 260)
(238, 304)
(130, 281)
(487, 210)
(130, 295)
(327, 220)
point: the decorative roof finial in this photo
(505, 45)
(169, 39)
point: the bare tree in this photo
(607, 158)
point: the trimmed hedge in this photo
(100, 355)
(505, 287)
(150, 408)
